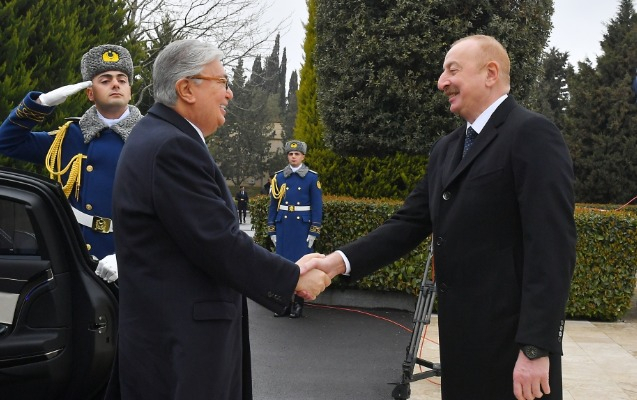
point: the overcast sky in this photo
(578, 27)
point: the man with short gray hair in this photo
(186, 267)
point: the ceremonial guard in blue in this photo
(83, 153)
(296, 212)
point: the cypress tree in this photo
(308, 126)
(378, 63)
(241, 146)
(291, 107)
(602, 116)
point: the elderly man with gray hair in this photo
(186, 268)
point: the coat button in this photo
(89, 168)
(442, 287)
(439, 241)
(446, 195)
(89, 207)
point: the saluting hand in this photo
(59, 95)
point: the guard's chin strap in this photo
(53, 163)
(278, 192)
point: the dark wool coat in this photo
(185, 269)
(504, 248)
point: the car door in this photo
(58, 320)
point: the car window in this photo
(17, 235)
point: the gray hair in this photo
(178, 60)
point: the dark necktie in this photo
(468, 140)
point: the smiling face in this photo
(473, 76)
(111, 93)
(203, 101)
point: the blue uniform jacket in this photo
(98, 169)
(292, 226)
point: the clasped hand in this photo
(312, 281)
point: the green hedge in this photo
(603, 282)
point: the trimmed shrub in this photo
(603, 281)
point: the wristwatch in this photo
(531, 352)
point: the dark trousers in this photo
(245, 212)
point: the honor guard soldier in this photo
(295, 212)
(83, 153)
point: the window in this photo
(16, 230)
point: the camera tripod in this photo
(422, 317)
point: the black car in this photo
(58, 320)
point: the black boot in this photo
(285, 312)
(297, 307)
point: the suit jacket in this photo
(504, 248)
(242, 201)
(185, 268)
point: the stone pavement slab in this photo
(599, 362)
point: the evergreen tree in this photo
(291, 107)
(550, 95)
(378, 63)
(391, 177)
(257, 77)
(308, 126)
(43, 43)
(282, 76)
(271, 73)
(241, 146)
(602, 116)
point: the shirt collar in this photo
(198, 131)
(112, 121)
(483, 118)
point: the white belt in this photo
(98, 224)
(295, 208)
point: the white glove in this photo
(310, 241)
(57, 96)
(107, 268)
(273, 239)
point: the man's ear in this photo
(90, 94)
(493, 73)
(183, 87)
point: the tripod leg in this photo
(401, 391)
(422, 317)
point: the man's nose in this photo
(442, 82)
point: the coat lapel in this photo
(454, 163)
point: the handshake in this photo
(317, 272)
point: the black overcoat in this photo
(504, 248)
(185, 269)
